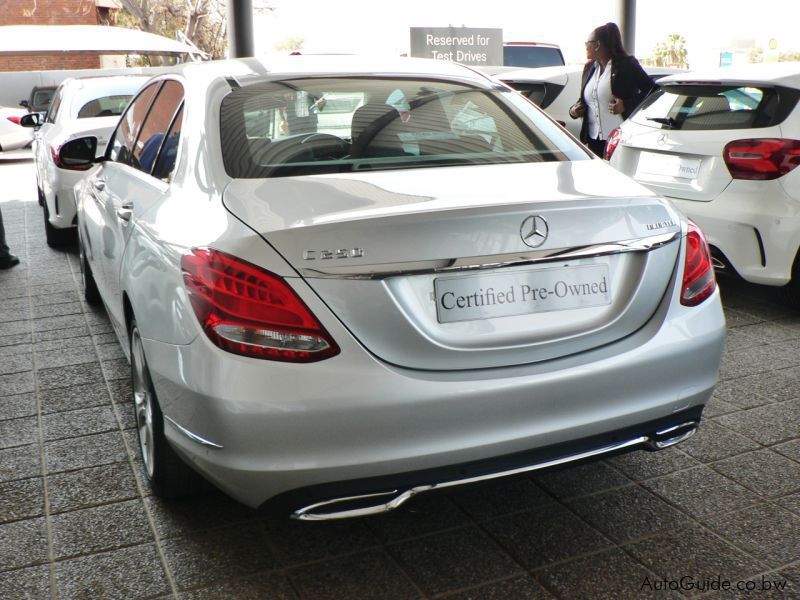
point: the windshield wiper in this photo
(668, 121)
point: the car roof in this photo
(787, 74)
(324, 65)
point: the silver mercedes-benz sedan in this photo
(344, 282)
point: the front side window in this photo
(124, 139)
(324, 125)
(713, 107)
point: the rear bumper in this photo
(288, 427)
(60, 196)
(756, 226)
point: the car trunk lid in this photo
(429, 269)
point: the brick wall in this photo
(48, 12)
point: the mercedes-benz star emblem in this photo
(662, 139)
(534, 231)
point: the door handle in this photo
(99, 184)
(125, 211)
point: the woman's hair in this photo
(610, 37)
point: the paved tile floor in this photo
(77, 521)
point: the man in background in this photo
(7, 260)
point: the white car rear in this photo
(81, 107)
(12, 136)
(724, 146)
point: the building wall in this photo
(48, 12)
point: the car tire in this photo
(168, 475)
(40, 194)
(55, 237)
(90, 292)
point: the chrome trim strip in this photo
(490, 261)
(192, 436)
(307, 514)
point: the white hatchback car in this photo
(448, 290)
(81, 106)
(724, 146)
(555, 89)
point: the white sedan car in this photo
(80, 107)
(724, 146)
(12, 135)
(449, 290)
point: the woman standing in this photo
(612, 86)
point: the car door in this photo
(126, 187)
(41, 145)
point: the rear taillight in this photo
(13, 119)
(612, 142)
(698, 271)
(761, 158)
(247, 310)
(54, 150)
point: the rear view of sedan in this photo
(333, 319)
(725, 147)
(80, 107)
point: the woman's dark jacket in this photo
(629, 83)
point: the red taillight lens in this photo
(54, 150)
(698, 271)
(13, 119)
(612, 142)
(247, 310)
(761, 158)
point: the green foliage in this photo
(670, 53)
(289, 44)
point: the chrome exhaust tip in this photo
(671, 436)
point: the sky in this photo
(381, 26)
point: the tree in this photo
(790, 56)
(671, 53)
(289, 44)
(201, 22)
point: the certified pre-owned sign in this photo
(468, 45)
(522, 292)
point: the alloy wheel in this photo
(143, 402)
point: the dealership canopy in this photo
(93, 39)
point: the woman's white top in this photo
(597, 95)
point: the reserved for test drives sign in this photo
(468, 45)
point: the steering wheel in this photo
(326, 146)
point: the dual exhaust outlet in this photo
(381, 502)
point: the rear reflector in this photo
(247, 310)
(761, 158)
(698, 270)
(612, 142)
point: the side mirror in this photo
(78, 154)
(24, 104)
(31, 120)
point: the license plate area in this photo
(668, 165)
(492, 295)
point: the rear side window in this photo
(155, 128)
(328, 125)
(713, 107)
(532, 56)
(107, 106)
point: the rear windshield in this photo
(711, 107)
(331, 125)
(532, 56)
